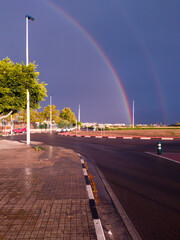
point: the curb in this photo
(125, 137)
(97, 222)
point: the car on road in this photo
(19, 130)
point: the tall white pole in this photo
(27, 50)
(11, 124)
(27, 63)
(76, 126)
(50, 114)
(79, 117)
(133, 114)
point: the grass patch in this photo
(38, 148)
(92, 183)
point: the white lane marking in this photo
(127, 137)
(89, 191)
(156, 155)
(87, 136)
(112, 137)
(99, 229)
(98, 136)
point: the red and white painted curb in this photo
(97, 222)
(120, 137)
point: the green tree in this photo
(68, 115)
(78, 123)
(55, 114)
(15, 79)
(41, 117)
(34, 115)
(64, 123)
(21, 116)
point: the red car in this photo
(19, 130)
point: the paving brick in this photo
(43, 195)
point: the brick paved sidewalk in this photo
(42, 194)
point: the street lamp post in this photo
(133, 114)
(50, 114)
(27, 63)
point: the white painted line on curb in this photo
(167, 138)
(145, 138)
(85, 172)
(97, 222)
(110, 137)
(156, 155)
(99, 229)
(89, 191)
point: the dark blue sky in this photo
(141, 40)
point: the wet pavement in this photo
(42, 194)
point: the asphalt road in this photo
(148, 187)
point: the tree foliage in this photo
(68, 115)
(64, 124)
(21, 116)
(55, 114)
(15, 79)
(78, 123)
(36, 116)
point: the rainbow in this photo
(100, 52)
(149, 61)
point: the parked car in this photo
(19, 130)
